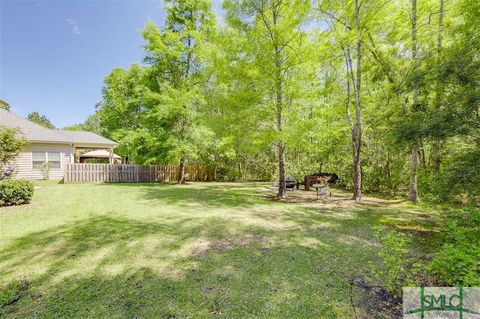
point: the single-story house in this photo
(56, 147)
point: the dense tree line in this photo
(383, 93)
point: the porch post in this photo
(76, 155)
(110, 156)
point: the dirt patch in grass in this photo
(222, 245)
(321, 229)
(212, 289)
(217, 298)
(338, 199)
(203, 246)
(200, 247)
(251, 239)
(373, 300)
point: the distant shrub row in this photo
(15, 192)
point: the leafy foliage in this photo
(11, 143)
(153, 110)
(457, 262)
(15, 192)
(45, 168)
(4, 105)
(398, 267)
(91, 124)
(40, 119)
(459, 181)
(451, 259)
(275, 79)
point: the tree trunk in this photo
(357, 170)
(437, 160)
(413, 192)
(357, 131)
(277, 89)
(389, 172)
(438, 96)
(423, 157)
(282, 185)
(181, 176)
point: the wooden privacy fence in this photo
(127, 173)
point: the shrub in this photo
(15, 192)
(45, 168)
(453, 261)
(397, 265)
(457, 261)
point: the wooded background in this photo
(383, 93)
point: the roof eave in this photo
(48, 142)
(94, 145)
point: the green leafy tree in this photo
(11, 144)
(276, 49)
(177, 56)
(91, 124)
(122, 110)
(153, 110)
(40, 119)
(293, 87)
(4, 105)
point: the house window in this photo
(38, 158)
(54, 159)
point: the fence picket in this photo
(128, 173)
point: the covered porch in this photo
(90, 153)
(84, 142)
(100, 155)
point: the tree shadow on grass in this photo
(115, 267)
(389, 216)
(203, 194)
(55, 249)
(362, 222)
(218, 288)
(231, 277)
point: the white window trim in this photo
(59, 159)
(46, 159)
(31, 162)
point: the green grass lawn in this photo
(203, 250)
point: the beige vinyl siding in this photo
(23, 163)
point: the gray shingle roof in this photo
(37, 133)
(84, 137)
